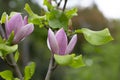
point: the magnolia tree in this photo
(58, 23)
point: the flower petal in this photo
(48, 44)
(7, 28)
(52, 42)
(23, 32)
(25, 20)
(15, 23)
(71, 44)
(62, 41)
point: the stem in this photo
(59, 3)
(65, 5)
(15, 66)
(50, 68)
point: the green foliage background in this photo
(102, 62)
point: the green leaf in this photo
(7, 49)
(16, 79)
(34, 18)
(77, 62)
(72, 12)
(1, 54)
(78, 31)
(30, 12)
(57, 19)
(3, 18)
(97, 37)
(69, 60)
(10, 39)
(28, 9)
(16, 57)
(1, 40)
(38, 20)
(49, 6)
(7, 75)
(29, 70)
(63, 59)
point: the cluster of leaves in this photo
(55, 19)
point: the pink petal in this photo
(52, 42)
(25, 20)
(7, 28)
(48, 44)
(23, 32)
(71, 44)
(15, 23)
(62, 41)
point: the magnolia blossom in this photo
(58, 43)
(19, 26)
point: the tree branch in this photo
(65, 5)
(59, 3)
(50, 68)
(15, 66)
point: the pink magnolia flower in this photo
(58, 43)
(20, 27)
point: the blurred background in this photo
(102, 62)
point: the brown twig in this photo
(65, 5)
(55, 66)
(50, 68)
(58, 4)
(15, 66)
